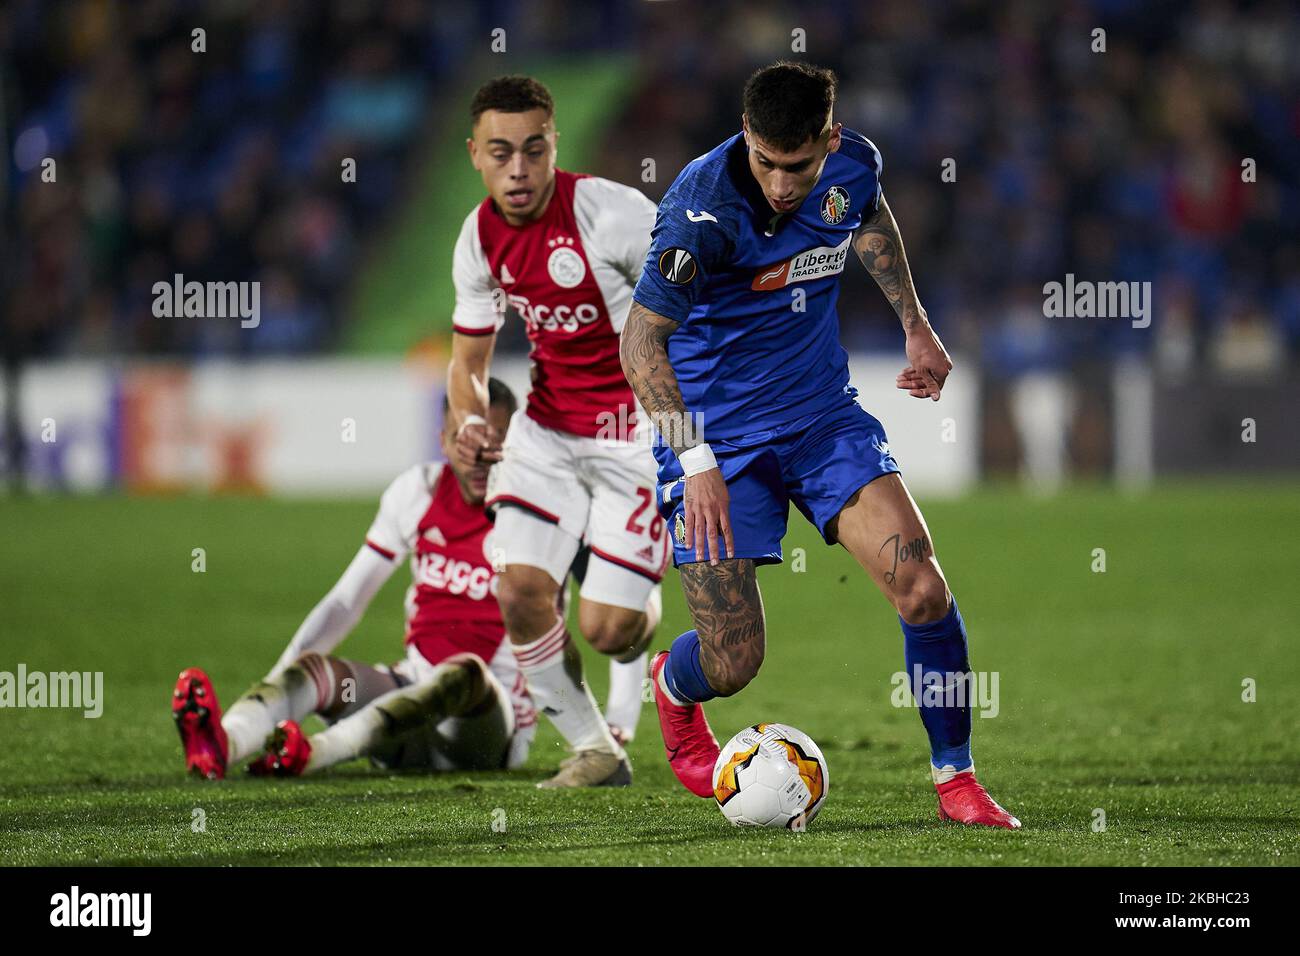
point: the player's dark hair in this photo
(499, 393)
(511, 94)
(787, 103)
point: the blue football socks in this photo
(683, 673)
(938, 649)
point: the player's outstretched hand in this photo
(708, 516)
(929, 367)
(477, 444)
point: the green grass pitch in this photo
(1119, 691)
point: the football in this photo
(770, 775)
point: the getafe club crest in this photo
(679, 531)
(835, 206)
(565, 265)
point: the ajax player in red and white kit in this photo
(564, 251)
(457, 700)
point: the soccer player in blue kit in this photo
(733, 336)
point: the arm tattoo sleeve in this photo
(643, 349)
(880, 248)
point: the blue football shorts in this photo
(819, 462)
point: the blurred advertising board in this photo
(346, 426)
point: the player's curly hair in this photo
(788, 103)
(511, 94)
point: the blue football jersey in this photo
(754, 291)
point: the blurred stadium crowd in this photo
(1124, 165)
(1117, 166)
(224, 165)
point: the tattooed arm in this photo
(880, 247)
(643, 350)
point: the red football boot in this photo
(691, 747)
(287, 752)
(198, 718)
(963, 800)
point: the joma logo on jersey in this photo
(454, 577)
(563, 318)
(809, 264)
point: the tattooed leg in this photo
(728, 614)
(882, 528)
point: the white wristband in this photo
(470, 420)
(697, 459)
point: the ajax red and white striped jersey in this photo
(570, 276)
(451, 605)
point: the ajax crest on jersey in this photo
(770, 775)
(566, 267)
(835, 206)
